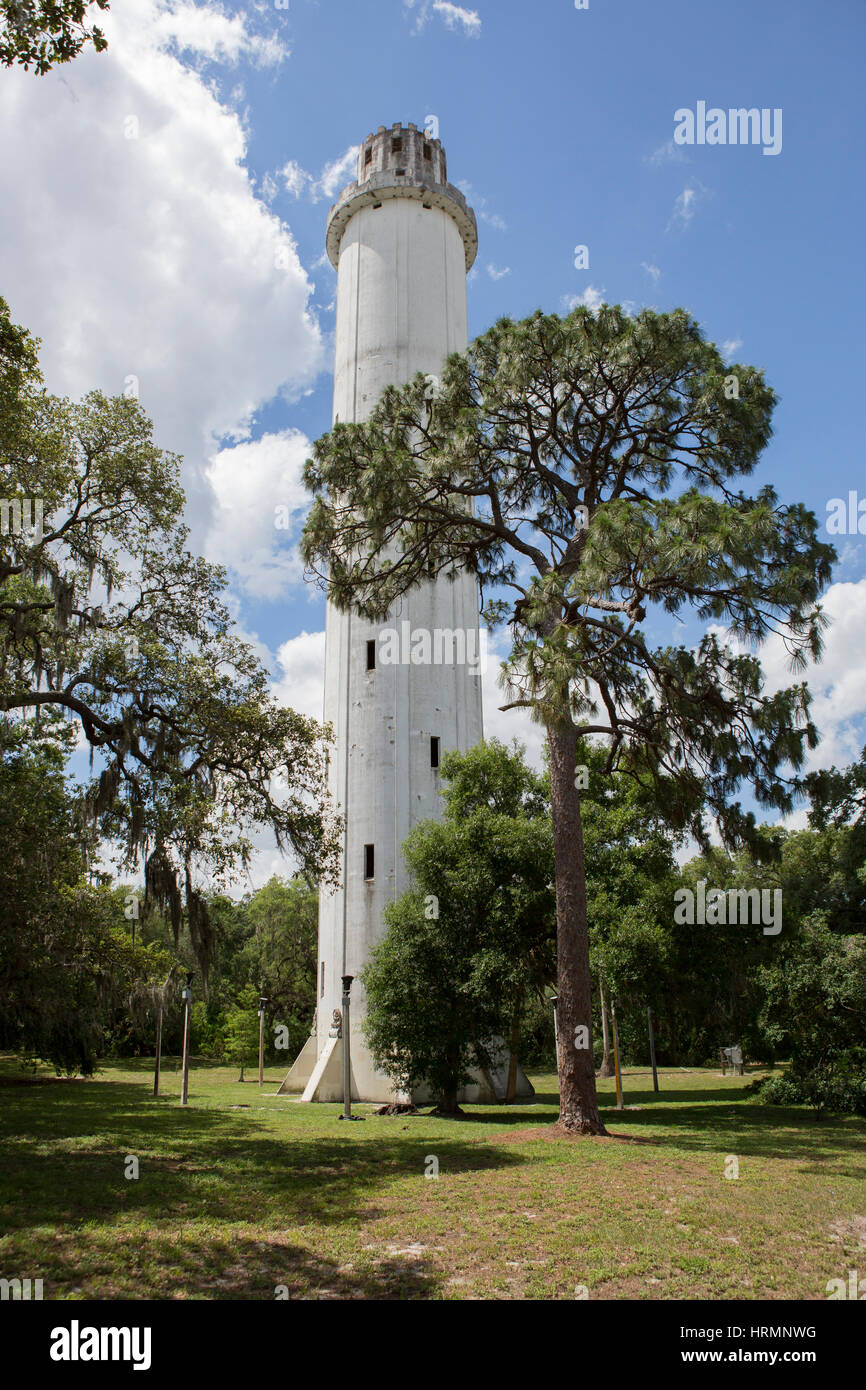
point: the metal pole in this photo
(652, 1042)
(158, 1051)
(347, 1060)
(616, 1058)
(261, 1042)
(184, 1092)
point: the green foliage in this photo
(814, 1010)
(68, 968)
(42, 33)
(106, 617)
(65, 960)
(208, 1031)
(590, 463)
(280, 956)
(473, 937)
(838, 797)
(631, 875)
(242, 1030)
(837, 1085)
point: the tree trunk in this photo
(578, 1103)
(606, 1064)
(511, 1083)
(447, 1104)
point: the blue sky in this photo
(190, 256)
(560, 121)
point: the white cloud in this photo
(333, 178)
(513, 723)
(250, 481)
(592, 297)
(479, 204)
(498, 274)
(301, 683)
(207, 32)
(667, 153)
(270, 188)
(337, 174)
(134, 243)
(295, 179)
(651, 270)
(838, 682)
(686, 204)
(730, 345)
(455, 16)
(493, 220)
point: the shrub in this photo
(837, 1085)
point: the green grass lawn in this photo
(244, 1191)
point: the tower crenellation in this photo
(404, 151)
(402, 161)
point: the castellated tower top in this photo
(401, 162)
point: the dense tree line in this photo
(469, 954)
(81, 959)
(115, 639)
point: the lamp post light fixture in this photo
(347, 1058)
(262, 1002)
(186, 995)
(554, 1000)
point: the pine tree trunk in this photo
(606, 1063)
(578, 1103)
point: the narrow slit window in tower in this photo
(428, 153)
(396, 146)
(434, 752)
(368, 155)
(371, 654)
(369, 862)
(322, 985)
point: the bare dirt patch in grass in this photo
(552, 1134)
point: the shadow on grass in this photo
(710, 1120)
(746, 1129)
(206, 1266)
(201, 1163)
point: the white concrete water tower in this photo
(402, 239)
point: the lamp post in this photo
(347, 1059)
(158, 1049)
(187, 999)
(619, 1102)
(652, 1043)
(262, 1002)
